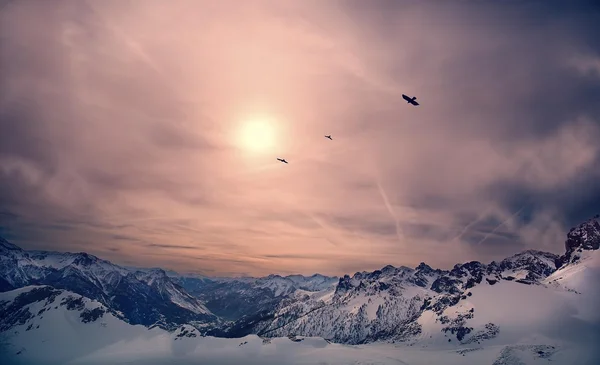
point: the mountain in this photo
(401, 304)
(46, 326)
(586, 236)
(385, 304)
(144, 297)
(512, 324)
(60, 327)
(530, 306)
(234, 298)
(150, 296)
(37, 320)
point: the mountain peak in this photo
(151, 276)
(388, 269)
(5, 245)
(84, 259)
(533, 253)
(585, 236)
(273, 276)
(424, 267)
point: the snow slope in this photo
(561, 315)
(61, 328)
(511, 324)
(580, 281)
(531, 308)
(52, 330)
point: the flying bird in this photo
(282, 160)
(410, 100)
(329, 136)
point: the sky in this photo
(146, 132)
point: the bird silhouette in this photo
(410, 100)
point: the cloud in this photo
(175, 247)
(119, 124)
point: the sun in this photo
(257, 135)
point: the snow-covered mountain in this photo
(533, 305)
(150, 296)
(45, 325)
(586, 236)
(60, 327)
(234, 298)
(512, 325)
(144, 297)
(386, 303)
(401, 304)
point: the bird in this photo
(329, 136)
(282, 160)
(410, 100)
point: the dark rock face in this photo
(489, 331)
(421, 273)
(344, 284)
(73, 303)
(91, 315)
(186, 332)
(445, 284)
(16, 313)
(441, 303)
(426, 269)
(457, 325)
(586, 236)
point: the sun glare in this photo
(257, 135)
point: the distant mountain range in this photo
(390, 304)
(394, 304)
(151, 297)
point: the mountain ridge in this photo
(112, 285)
(387, 304)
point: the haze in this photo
(147, 132)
